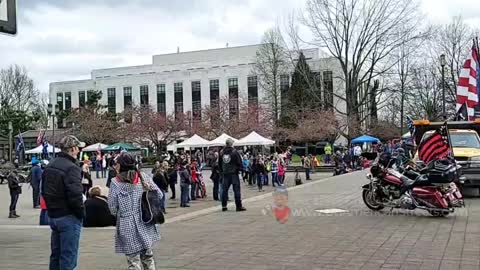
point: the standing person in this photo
(87, 182)
(172, 179)
(245, 162)
(307, 165)
(161, 181)
(274, 171)
(15, 190)
(111, 172)
(215, 177)
(281, 172)
(35, 182)
(133, 237)
(328, 153)
(63, 194)
(230, 164)
(194, 184)
(104, 167)
(260, 173)
(98, 165)
(184, 184)
(357, 151)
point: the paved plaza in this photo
(210, 239)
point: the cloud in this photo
(66, 39)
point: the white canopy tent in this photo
(253, 139)
(193, 142)
(220, 140)
(39, 150)
(94, 147)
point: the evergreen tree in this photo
(302, 95)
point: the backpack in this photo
(151, 205)
(298, 179)
(268, 167)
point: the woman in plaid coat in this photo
(133, 237)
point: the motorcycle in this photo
(432, 188)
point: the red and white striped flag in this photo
(467, 84)
(40, 138)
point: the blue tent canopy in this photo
(365, 139)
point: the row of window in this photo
(252, 85)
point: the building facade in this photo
(188, 81)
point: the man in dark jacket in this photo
(63, 194)
(230, 164)
(35, 182)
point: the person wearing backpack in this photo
(133, 237)
(230, 164)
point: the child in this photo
(280, 208)
(281, 172)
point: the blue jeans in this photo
(64, 242)
(307, 173)
(275, 179)
(164, 200)
(44, 220)
(184, 189)
(259, 181)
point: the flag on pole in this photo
(411, 127)
(20, 144)
(435, 146)
(462, 113)
(467, 84)
(40, 137)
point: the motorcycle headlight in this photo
(475, 162)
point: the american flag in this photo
(435, 146)
(40, 137)
(467, 84)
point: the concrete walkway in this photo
(356, 239)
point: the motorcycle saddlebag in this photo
(441, 172)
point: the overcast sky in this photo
(65, 39)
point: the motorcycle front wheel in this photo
(369, 200)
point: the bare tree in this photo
(361, 35)
(17, 89)
(270, 64)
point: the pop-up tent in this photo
(220, 140)
(94, 147)
(194, 142)
(121, 146)
(39, 150)
(365, 139)
(254, 139)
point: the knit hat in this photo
(35, 161)
(126, 162)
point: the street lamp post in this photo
(10, 144)
(443, 62)
(52, 113)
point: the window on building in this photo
(81, 99)
(196, 100)
(284, 87)
(233, 97)
(252, 90)
(60, 101)
(328, 89)
(178, 98)
(161, 99)
(112, 104)
(214, 92)
(144, 95)
(68, 100)
(127, 97)
(89, 94)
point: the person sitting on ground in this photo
(97, 211)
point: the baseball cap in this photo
(70, 141)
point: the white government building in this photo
(189, 81)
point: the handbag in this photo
(151, 205)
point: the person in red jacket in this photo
(194, 184)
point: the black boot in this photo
(11, 215)
(241, 209)
(15, 214)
